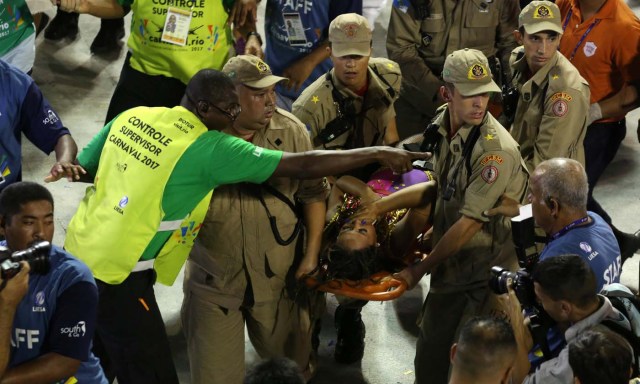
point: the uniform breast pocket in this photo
(480, 14)
(432, 34)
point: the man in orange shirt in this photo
(601, 39)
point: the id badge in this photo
(176, 26)
(295, 30)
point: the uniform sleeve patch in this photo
(561, 96)
(560, 107)
(494, 158)
(489, 174)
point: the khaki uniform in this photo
(459, 285)
(316, 106)
(236, 271)
(551, 116)
(420, 47)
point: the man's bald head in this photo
(563, 179)
(211, 86)
(485, 351)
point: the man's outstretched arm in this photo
(314, 164)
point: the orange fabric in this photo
(613, 45)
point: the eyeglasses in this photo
(232, 111)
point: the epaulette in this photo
(440, 109)
(388, 71)
(516, 55)
(490, 137)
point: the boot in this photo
(64, 25)
(351, 332)
(111, 31)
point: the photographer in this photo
(53, 325)
(11, 293)
(558, 196)
(565, 287)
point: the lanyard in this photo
(564, 26)
(569, 227)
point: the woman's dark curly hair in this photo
(356, 264)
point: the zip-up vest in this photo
(122, 211)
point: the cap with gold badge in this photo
(250, 71)
(540, 16)
(468, 69)
(350, 34)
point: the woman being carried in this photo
(371, 227)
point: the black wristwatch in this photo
(256, 34)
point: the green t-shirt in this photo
(16, 24)
(214, 159)
(207, 45)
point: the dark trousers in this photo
(130, 337)
(135, 89)
(601, 144)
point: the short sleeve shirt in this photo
(58, 315)
(23, 109)
(494, 168)
(596, 244)
(214, 159)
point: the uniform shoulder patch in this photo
(560, 103)
(491, 158)
(489, 174)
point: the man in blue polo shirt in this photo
(23, 109)
(54, 323)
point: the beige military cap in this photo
(350, 34)
(468, 69)
(540, 16)
(250, 71)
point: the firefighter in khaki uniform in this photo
(421, 35)
(552, 108)
(352, 105)
(238, 266)
(476, 161)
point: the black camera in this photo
(510, 96)
(334, 129)
(520, 281)
(37, 255)
(524, 240)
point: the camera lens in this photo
(499, 278)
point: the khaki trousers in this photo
(443, 316)
(216, 343)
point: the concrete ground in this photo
(79, 87)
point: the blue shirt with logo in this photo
(596, 244)
(58, 314)
(23, 109)
(315, 16)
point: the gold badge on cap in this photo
(542, 12)
(477, 72)
(350, 30)
(262, 67)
